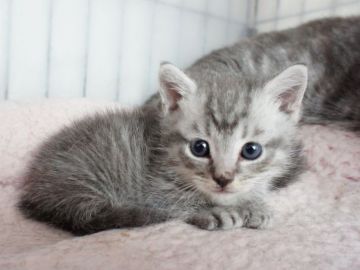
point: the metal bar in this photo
(87, 44)
(8, 50)
(48, 53)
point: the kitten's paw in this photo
(225, 218)
(257, 218)
(217, 218)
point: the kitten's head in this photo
(228, 137)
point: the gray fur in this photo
(328, 47)
(126, 169)
(100, 173)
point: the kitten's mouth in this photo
(220, 190)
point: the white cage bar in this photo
(112, 49)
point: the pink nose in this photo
(223, 181)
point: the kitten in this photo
(328, 47)
(210, 146)
(122, 169)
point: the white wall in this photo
(111, 49)
(281, 14)
(106, 49)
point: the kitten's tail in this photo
(337, 105)
(343, 114)
(337, 122)
(107, 218)
(123, 217)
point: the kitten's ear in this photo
(174, 86)
(288, 89)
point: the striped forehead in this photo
(224, 110)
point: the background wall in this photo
(281, 14)
(111, 49)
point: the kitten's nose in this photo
(223, 181)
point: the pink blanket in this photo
(317, 220)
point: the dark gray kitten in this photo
(211, 146)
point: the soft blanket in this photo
(317, 219)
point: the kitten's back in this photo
(89, 169)
(330, 49)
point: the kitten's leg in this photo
(251, 215)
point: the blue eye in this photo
(251, 151)
(200, 148)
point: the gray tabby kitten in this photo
(211, 145)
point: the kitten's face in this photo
(232, 140)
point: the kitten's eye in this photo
(251, 151)
(200, 148)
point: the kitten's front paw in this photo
(225, 218)
(217, 218)
(257, 218)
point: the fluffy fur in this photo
(131, 169)
(328, 47)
